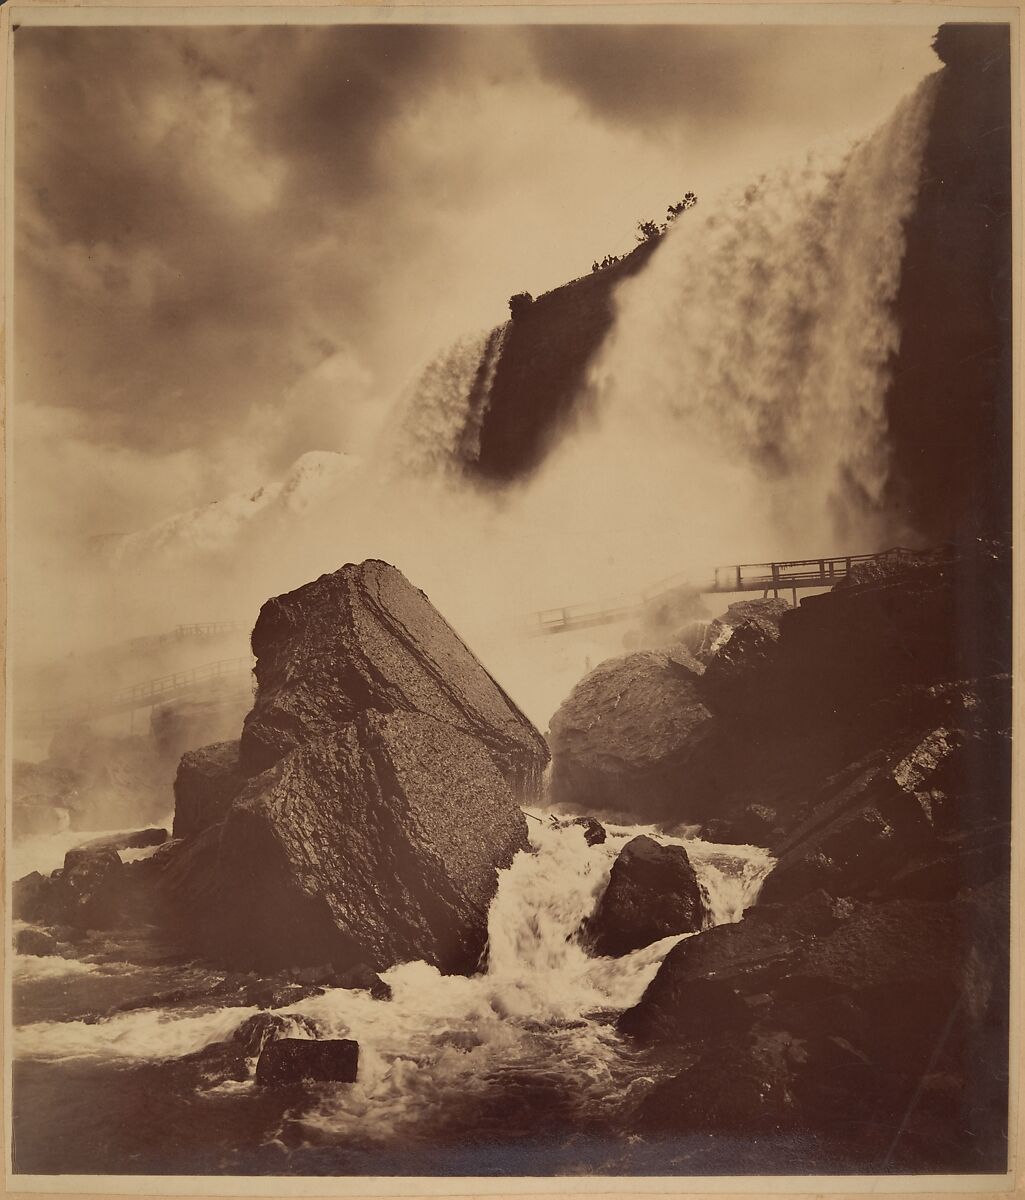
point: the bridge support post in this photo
(795, 597)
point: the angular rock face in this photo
(622, 740)
(836, 1019)
(375, 831)
(379, 844)
(208, 780)
(361, 639)
(653, 893)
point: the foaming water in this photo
(766, 330)
(532, 1033)
(44, 852)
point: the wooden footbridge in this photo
(223, 678)
(771, 578)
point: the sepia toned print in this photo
(509, 540)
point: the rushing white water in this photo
(439, 416)
(44, 852)
(540, 1013)
(765, 331)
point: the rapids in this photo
(530, 1041)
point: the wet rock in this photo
(31, 897)
(653, 892)
(825, 1016)
(361, 978)
(254, 1034)
(377, 844)
(718, 632)
(886, 825)
(289, 1061)
(594, 831)
(623, 739)
(756, 825)
(89, 892)
(35, 942)
(705, 983)
(139, 840)
(206, 783)
(364, 639)
(739, 653)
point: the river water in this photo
(517, 1070)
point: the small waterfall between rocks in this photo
(534, 1032)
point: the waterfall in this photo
(438, 419)
(480, 398)
(765, 332)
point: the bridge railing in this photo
(803, 571)
(146, 694)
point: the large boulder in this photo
(739, 651)
(363, 638)
(376, 844)
(89, 892)
(652, 893)
(622, 740)
(206, 783)
(839, 1020)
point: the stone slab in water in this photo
(296, 1060)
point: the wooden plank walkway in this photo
(770, 578)
(209, 679)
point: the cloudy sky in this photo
(235, 244)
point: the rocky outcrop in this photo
(206, 783)
(908, 822)
(541, 371)
(36, 942)
(364, 639)
(89, 892)
(256, 1033)
(288, 1061)
(377, 844)
(652, 893)
(623, 740)
(594, 831)
(139, 839)
(388, 799)
(875, 1026)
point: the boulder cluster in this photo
(860, 1009)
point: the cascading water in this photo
(533, 1033)
(765, 332)
(438, 420)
